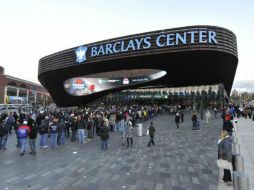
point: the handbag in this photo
(224, 164)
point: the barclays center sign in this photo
(145, 42)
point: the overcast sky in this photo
(32, 29)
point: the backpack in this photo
(33, 133)
(22, 133)
(10, 120)
(43, 126)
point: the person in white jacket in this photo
(208, 116)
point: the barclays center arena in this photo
(193, 65)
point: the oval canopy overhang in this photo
(193, 55)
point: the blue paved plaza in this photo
(182, 159)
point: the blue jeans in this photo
(53, 140)
(43, 140)
(23, 145)
(104, 144)
(32, 143)
(3, 141)
(62, 138)
(81, 135)
(117, 126)
(114, 127)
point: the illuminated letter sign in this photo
(162, 40)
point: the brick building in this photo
(18, 91)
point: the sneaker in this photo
(21, 154)
(45, 146)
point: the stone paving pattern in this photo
(182, 159)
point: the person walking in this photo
(44, 130)
(182, 116)
(104, 134)
(62, 127)
(124, 129)
(194, 119)
(208, 116)
(151, 134)
(228, 125)
(112, 122)
(81, 129)
(130, 134)
(53, 129)
(105, 121)
(177, 119)
(10, 121)
(4, 130)
(23, 132)
(74, 127)
(32, 135)
(225, 153)
(16, 126)
(90, 128)
(215, 112)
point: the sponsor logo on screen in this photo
(81, 54)
(79, 84)
(92, 87)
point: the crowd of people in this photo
(80, 125)
(225, 141)
(83, 124)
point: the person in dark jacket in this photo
(32, 135)
(90, 126)
(74, 127)
(81, 129)
(194, 119)
(43, 129)
(10, 121)
(3, 135)
(228, 125)
(182, 117)
(225, 153)
(223, 115)
(54, 129)
(61, 134)
(16, 132)
(104, 134)
(151, 134)
(177, 119)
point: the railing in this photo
(240, 178)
